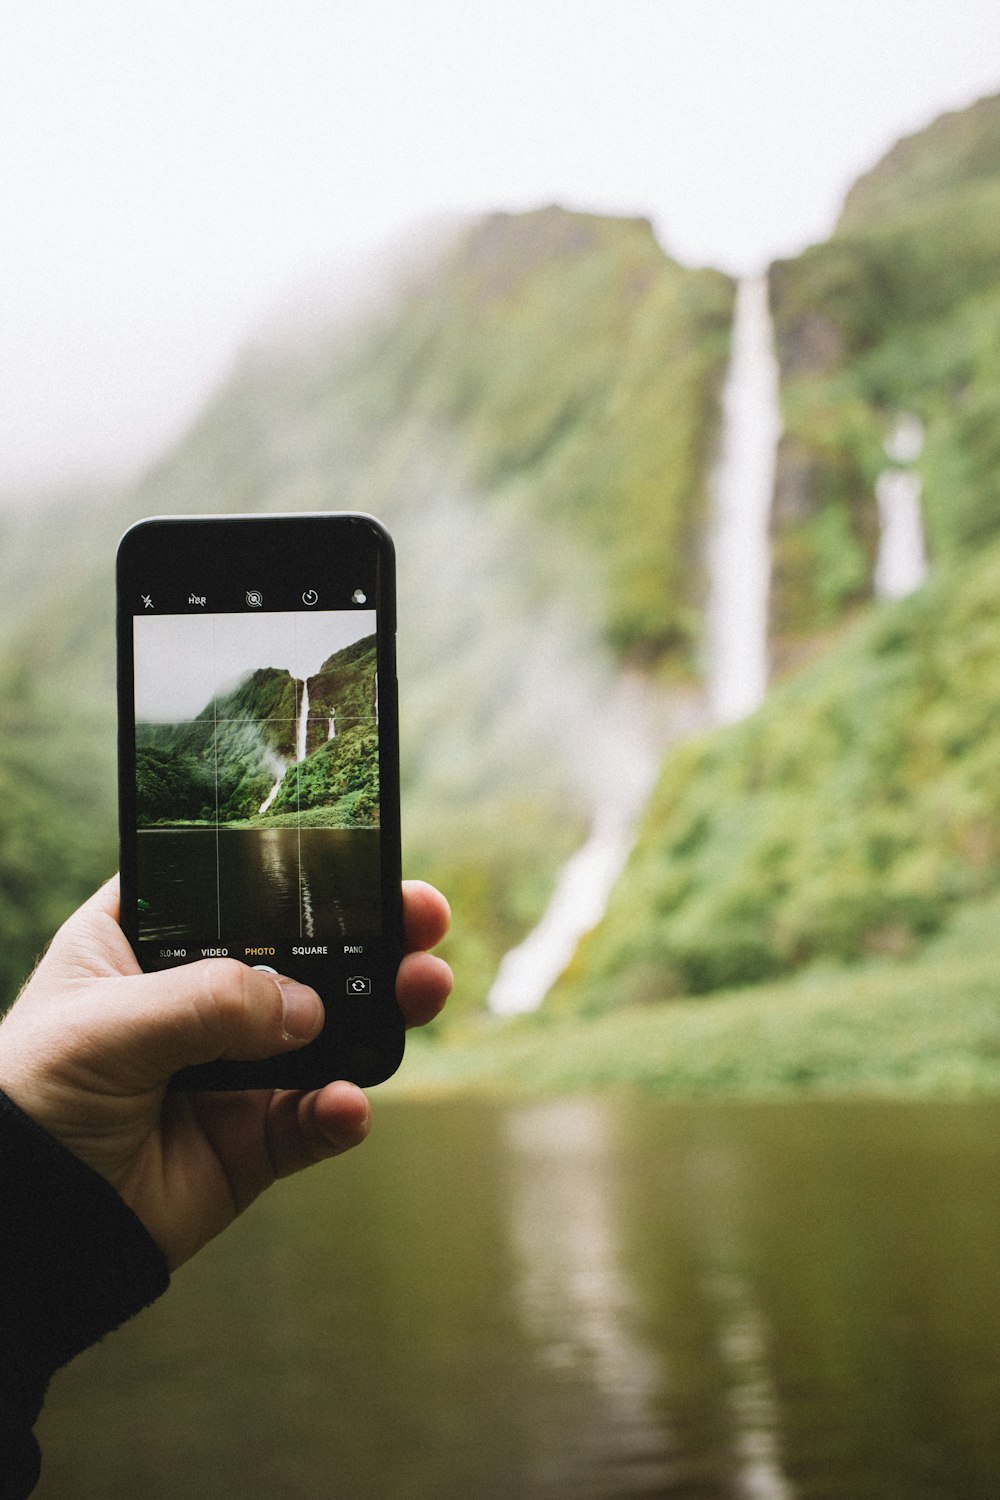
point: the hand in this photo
(89, 1045)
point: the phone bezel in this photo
(362, 1039)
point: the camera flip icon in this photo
(359, 985)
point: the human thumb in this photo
(213, 1010)
(131, 1032)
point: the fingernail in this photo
(302, 1010)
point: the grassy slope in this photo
(927, 1026)
(900, 310)
(531, 415)
(848, 816)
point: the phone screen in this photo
(259, 771)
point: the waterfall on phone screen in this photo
(303, 723)
(301, 729)
(281, 768)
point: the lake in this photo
(258, 885)
(583, 1299)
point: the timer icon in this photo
(310, 597)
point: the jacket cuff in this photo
(76, 1264)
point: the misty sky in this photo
(182, 661)
(170, 175)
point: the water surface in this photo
(275, 885)
(583, 1298)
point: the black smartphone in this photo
(259, 770)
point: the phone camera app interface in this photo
(257, 781)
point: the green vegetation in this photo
(925, 1026)
(221, 766)
(899, 311)
(857, 813)
(572, 370)
(343, 689)
(59, 835)
(846, 817)
(173, 787)
(551, 392)
(340, 780)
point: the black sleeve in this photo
(75, 1262)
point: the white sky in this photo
(183, 661)
(170, 173)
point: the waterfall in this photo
(901, 565)
(528, 972)
(739, 579)
(272, 793)
(739, 563)
(302, 726)
(331, 732)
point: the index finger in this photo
(426, 915)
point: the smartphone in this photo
(259, 770)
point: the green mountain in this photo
(238, 760)
(898, 312)
(532, 412)
(853, 815)
(221, 765)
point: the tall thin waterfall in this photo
(901, 565)
(739, 564)
(739, 578)
(302, 726)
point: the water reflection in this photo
(583, 1300)
(744, 1343)
(237, 885)
(275, 854)
(716, 1219)
(572, 1287)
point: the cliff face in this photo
(343, 690)
(898, 312)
